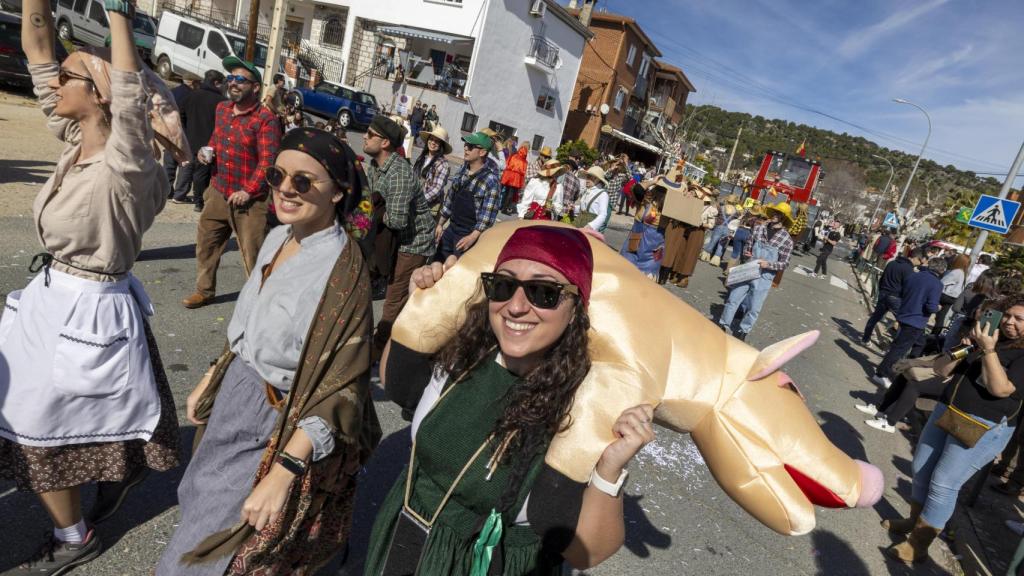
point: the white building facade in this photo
(510, 65)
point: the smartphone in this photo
(990, 320)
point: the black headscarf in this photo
(335, 156)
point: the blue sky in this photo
(962, 60)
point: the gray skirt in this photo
(220, 476)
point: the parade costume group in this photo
(530, 380)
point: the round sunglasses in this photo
(301, 183)
(65, 76)
(544, 294)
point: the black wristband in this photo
(291, 463)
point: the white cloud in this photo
(860, 40)
(928, 72)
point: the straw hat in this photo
(441, 134)
(784, 211)
(546, 152)
(732, 199)
(551, 168)
(490, 133)
(597, 173)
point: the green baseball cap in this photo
(232, 62)
(479, 139)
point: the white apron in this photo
(74, 365)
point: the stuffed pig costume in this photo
(752, 427)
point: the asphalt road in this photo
(678, 521)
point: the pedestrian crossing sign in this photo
(891, 221)
(994, 214)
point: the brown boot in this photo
(915, 549)
(904, 525)
(196, 300)
(682, 281)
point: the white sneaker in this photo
(1015, 527)
(881, 424)
(868, 409)
(882, 381)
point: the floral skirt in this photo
(47, 469)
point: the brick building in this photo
(625, 100)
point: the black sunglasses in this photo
(543, 294)
(469, 146)
(65, 76)
(300, 182)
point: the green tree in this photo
(577, 148)
(710, 179)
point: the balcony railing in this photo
(542, 53)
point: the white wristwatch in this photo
(607, 487)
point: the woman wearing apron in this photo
(269, 489)
(477, 496)
(85, 397)
(645, 244)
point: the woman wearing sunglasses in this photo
(477, 496)
(84, 395)
(432, 166)
(284, 415)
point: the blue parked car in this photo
(351, 107)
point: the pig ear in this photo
(775, 356)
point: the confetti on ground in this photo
(675, 461)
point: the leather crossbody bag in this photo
(961, 425)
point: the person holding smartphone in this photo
(986, 389)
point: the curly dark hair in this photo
(538, 407)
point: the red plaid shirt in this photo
(244, 146)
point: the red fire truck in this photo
(785, 177)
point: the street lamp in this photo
(892, 172)
(910, 178)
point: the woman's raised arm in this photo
(37, 31)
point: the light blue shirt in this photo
(269, 326)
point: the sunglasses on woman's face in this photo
(301, 183)
(65, 76)
(470, 147)
(544, 294)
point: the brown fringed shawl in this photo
(332, 382)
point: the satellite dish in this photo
(604, 108)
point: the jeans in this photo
(942, 464)
(886, 303)
(718, 233)
(953, 333)
(900, 347)
(754, 294)
(183, 182)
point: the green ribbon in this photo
(483, 549)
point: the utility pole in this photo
(277, 25)
(1003, 193)
(733, 153)
(250, 34)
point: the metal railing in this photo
(544, 51)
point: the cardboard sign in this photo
(683, 207)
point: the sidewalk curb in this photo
(966, 545)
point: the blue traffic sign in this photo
(994, 214)
(891, 221)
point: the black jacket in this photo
(198, 114)
(894, 275)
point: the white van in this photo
(186, 44)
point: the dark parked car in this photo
(351, 107)
(13, 63)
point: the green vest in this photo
(446, 439)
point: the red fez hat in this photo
(564, 249)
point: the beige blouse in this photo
(92, 212)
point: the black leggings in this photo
(901, 397)
(822, 262)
